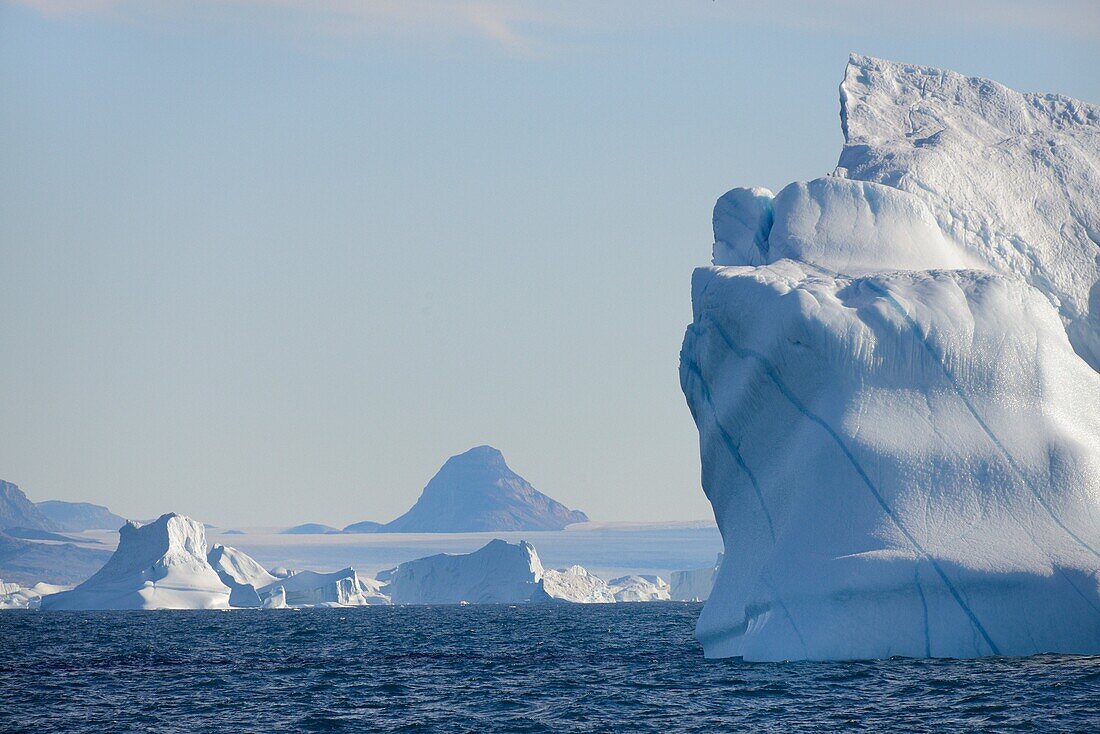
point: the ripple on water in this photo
(486, 669)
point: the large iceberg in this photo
(160, 565)
(890, 371)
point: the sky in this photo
(266, 262)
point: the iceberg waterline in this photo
(166, 564)
(899, 425)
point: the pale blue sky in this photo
(268, 266)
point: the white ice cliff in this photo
(160, 565)
(890, 372)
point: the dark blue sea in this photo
(623, 667)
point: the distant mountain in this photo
(477, 492)
(78, 516)
(18, 511)
(311, 528)
(367, 526)
(28, 563)
(38, 534)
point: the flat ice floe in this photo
(899, 424)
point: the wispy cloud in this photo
(525, 25)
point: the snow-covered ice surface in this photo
(900, 442)
(1014, 178)
(160, 565)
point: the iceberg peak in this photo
(159, 565)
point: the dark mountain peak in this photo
(476, 491)
(18, 511)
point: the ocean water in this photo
(624, 667)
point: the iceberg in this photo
(309, 588)
(893, 374)
(694, 584)
(498, 573)
(575, 585)
(241, 573)
(160, 565)
(635, 588)
(14, 596)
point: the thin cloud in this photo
(525, 25)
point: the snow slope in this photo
(160, 565)
(900, 442)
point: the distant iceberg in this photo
(892, 370)
(637, 588)
(575, 585)
(14, 596)
(309, 588)
(498, 573)
(694, 584)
